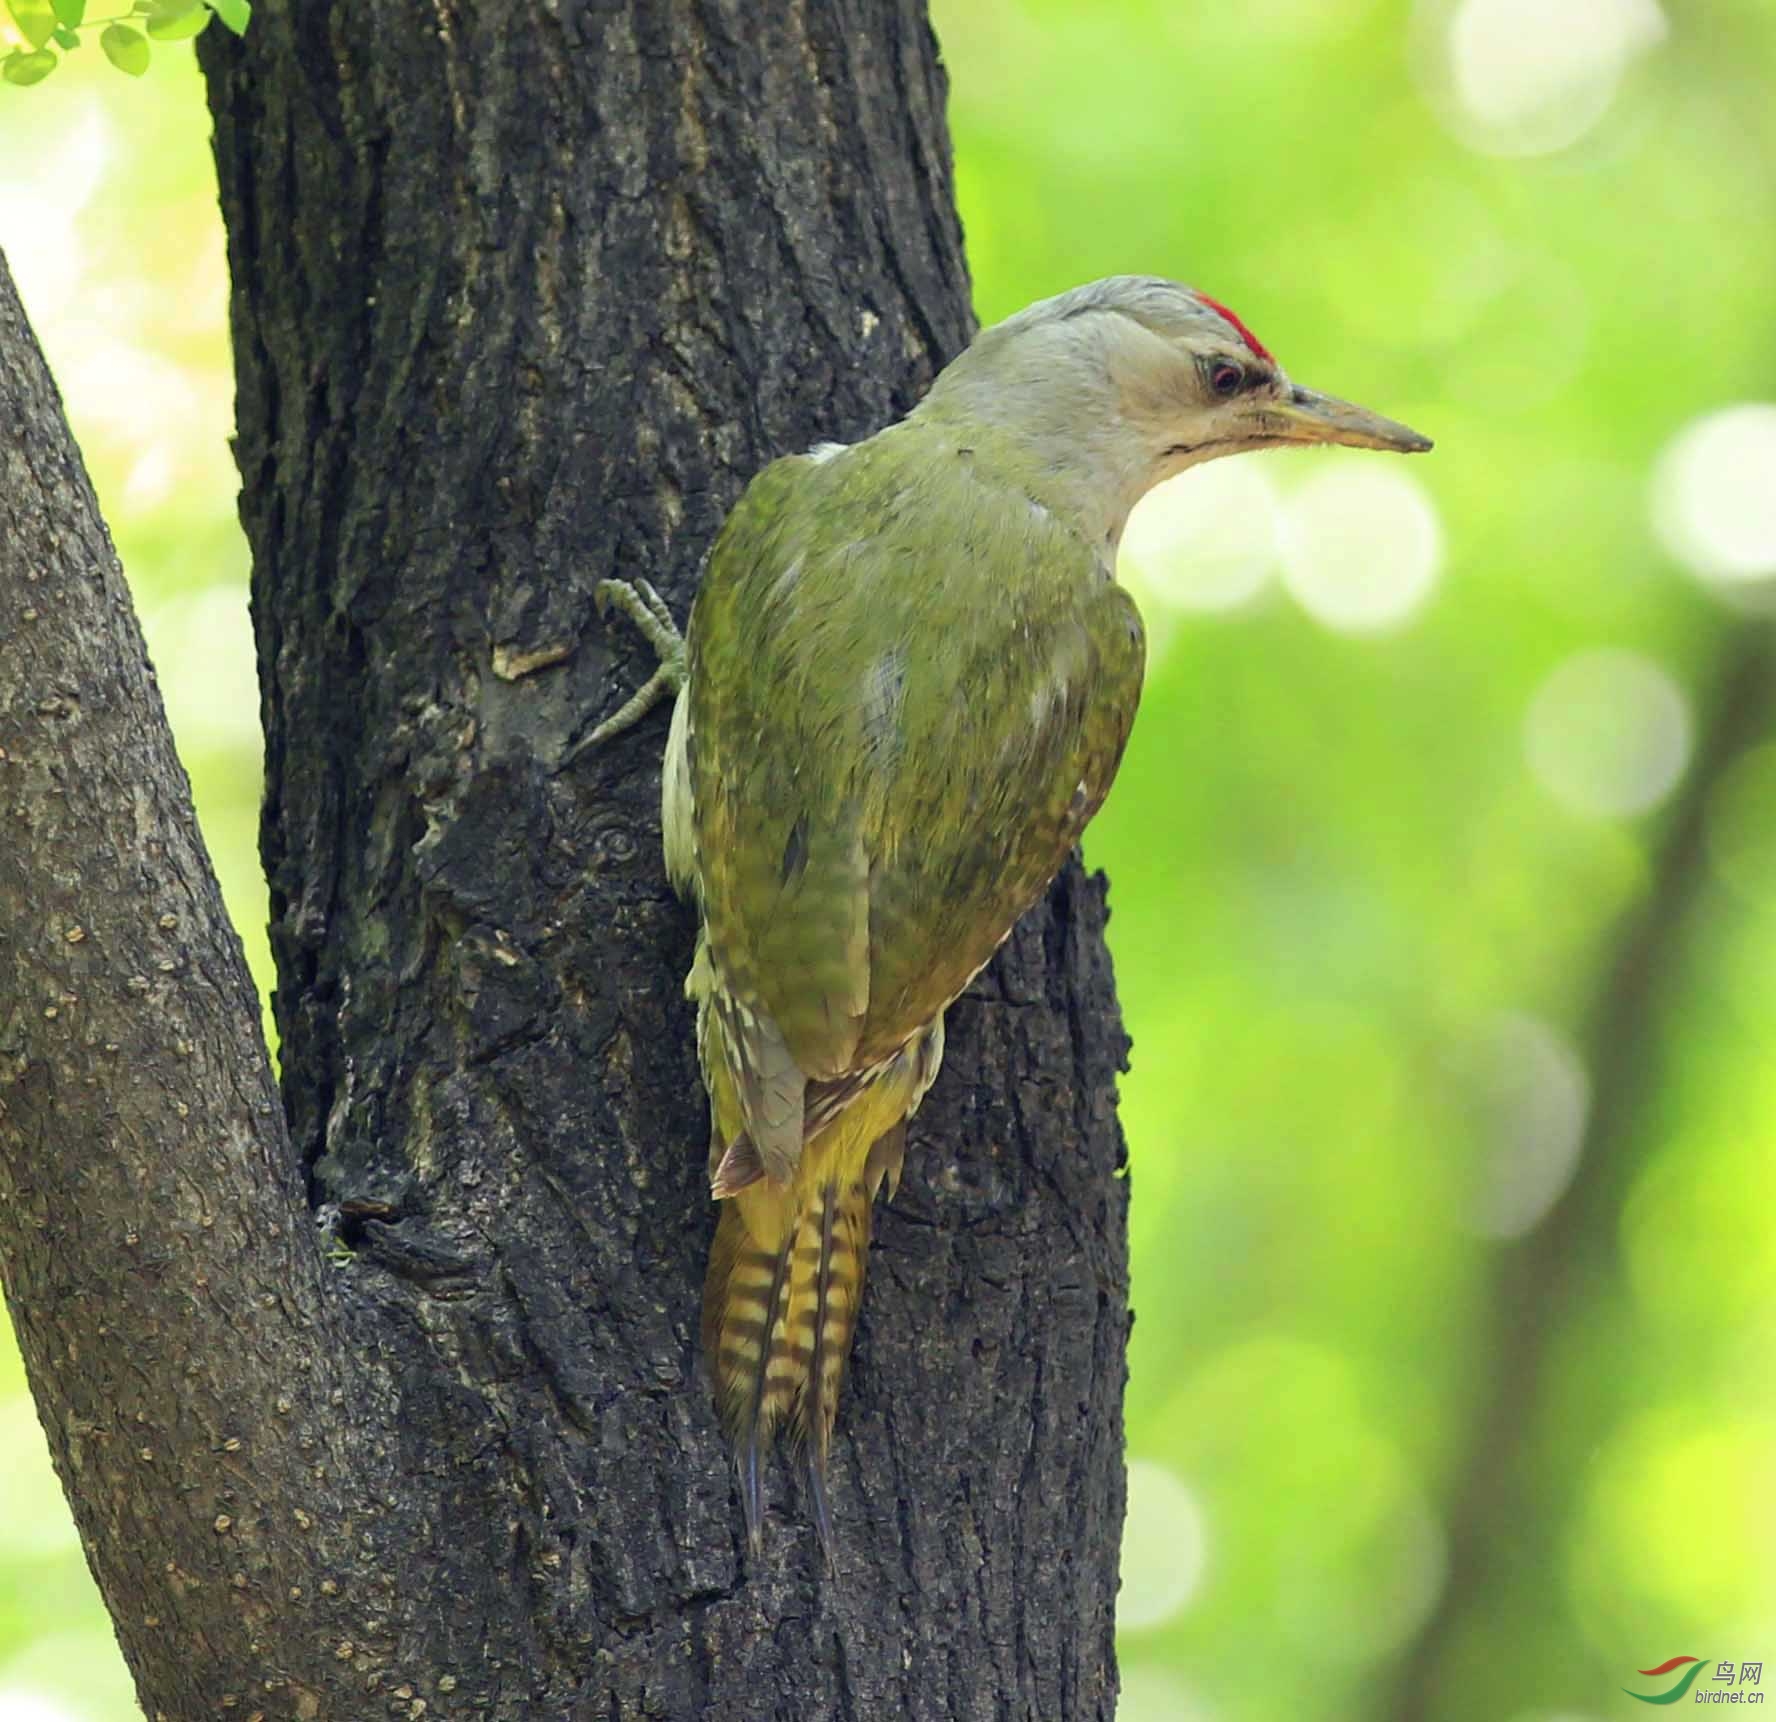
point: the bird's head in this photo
(1126, 381)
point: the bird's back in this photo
(911, 685)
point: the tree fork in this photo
(521, 300)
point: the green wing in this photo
(910, 687)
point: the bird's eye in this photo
(1225, 380)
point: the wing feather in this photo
(910, 689)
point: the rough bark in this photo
(522, 298)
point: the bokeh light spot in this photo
(1682, 1464)
(1608, 733)
(19, 1706)
(1205, 540)
(1696, 1239)
(71, 1676)
(120, 388)
(1532, 1097)
(41, 196)
(1153, 1693)
(1527, 77)
(1162, 1547)
(1361, 546)
(1714, 495)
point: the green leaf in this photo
(36, 20)
(66, 37)
(233, 13)
(179, 25)
(21, 68)
(70, 13)
(125, 48)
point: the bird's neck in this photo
(1069, 449)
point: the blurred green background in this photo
(1444, 855)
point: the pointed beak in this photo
(1306, 417)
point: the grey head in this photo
(1113, 386)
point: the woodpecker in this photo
(905, 688)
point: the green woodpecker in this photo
(904, 691)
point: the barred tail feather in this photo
(841, 1253)
(779, 1310)
(743, 1299)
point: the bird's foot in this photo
(647, 610)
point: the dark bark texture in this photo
(523, 296)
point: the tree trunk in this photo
(522, 297)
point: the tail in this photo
(780, 1306)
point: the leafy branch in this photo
(50, 24)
